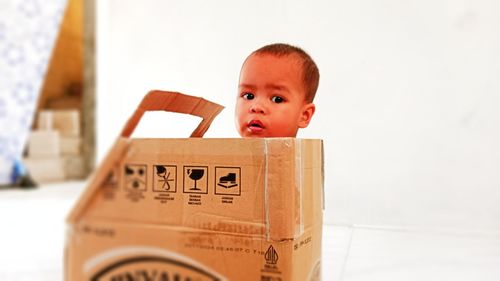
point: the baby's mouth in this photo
(255, 126)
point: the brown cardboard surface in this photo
(267, 201)
(200, 209)
(116, 250)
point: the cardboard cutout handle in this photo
(175, 102)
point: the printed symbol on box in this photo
(135, 177)
(228, 181)
(165, 178)
(196, 179)
(271, 255)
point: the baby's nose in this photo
(257, 108)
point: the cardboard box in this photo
(199, 209)
(44, 121)
(45, 170)
(67, 122)
(71, 146)
(74, 167)
(43, 144)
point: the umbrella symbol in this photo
(162, 172)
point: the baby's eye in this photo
(247, 96)
(277, 99)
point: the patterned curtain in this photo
(28, 30)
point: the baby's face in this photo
(270, 100)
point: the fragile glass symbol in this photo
(195, 174)
(162, 172)
(228, 181)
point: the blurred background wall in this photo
(407, 103)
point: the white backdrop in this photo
(407, 103)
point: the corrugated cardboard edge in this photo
(157, 100)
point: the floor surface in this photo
(32, 236)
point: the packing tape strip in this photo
(299, 223)
(266, 193)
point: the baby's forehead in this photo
(292, 57)
(294, 61)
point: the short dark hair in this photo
(310, 72)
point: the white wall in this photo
(407, 103)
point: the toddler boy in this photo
(276, 90)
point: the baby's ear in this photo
(306, 115)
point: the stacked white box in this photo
(45, 170)
(71, 146)
(43, 160)
(55, 148)
(44, 144)
(67, 122)
(74, 167)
